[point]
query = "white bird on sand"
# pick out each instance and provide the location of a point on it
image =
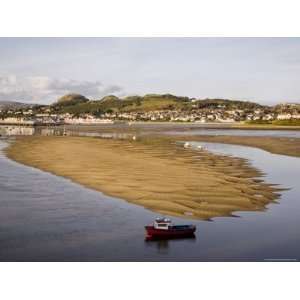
(186, 145)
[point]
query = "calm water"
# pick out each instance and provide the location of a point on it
(238, 132)
(47, 218)
(115, 130)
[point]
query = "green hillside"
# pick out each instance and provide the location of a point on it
(79, 104)
(228, 104)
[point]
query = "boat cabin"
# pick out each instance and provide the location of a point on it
(162, 223)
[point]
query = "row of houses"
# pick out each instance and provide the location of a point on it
(200, 116)
(288, 116)
(85, 120)
(220, 116)
(46, 119)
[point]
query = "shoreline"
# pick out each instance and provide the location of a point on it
(153, 173)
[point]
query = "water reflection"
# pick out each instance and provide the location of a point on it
(57, 131)
(47, 131)
(16, 130)
(99, 131)
(164, 245)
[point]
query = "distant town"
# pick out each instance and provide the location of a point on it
(77, 110)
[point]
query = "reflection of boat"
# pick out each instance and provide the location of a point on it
(163, 228)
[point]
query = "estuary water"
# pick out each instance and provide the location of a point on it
(123, 130)
(238, 132)
(48, 218)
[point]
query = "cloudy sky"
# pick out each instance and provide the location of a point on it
(265, 70)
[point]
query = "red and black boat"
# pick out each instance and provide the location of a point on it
(163, 228)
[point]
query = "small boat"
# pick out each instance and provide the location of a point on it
(163, 228)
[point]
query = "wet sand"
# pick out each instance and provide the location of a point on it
(276, 145)
(152, 172)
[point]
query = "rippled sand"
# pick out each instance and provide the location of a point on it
(153, 172)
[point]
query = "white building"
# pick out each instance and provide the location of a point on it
(17, 121)
(284, 117)
(89, 120)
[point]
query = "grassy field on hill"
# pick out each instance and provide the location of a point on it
(150, 102)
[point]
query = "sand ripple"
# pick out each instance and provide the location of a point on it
(152, 172)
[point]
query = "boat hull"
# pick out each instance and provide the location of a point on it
(174, 232)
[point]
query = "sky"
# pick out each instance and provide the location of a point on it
(39, 70)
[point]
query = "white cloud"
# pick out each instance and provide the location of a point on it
(42, 89)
